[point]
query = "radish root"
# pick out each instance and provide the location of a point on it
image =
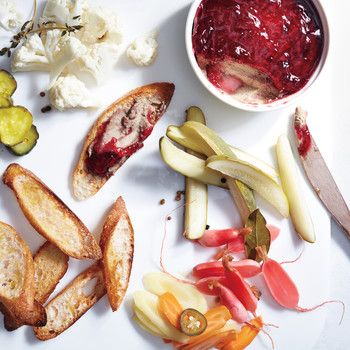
(302, 309)
(263, 331)
(161, 258)
(296, 259)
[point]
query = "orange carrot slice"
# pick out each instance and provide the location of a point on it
(170, 309)
(245, 336)
(214, 341)
(216, 319)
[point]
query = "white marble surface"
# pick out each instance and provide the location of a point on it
(337, 337)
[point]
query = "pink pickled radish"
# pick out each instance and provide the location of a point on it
(236, 308)
(239, 287)
(237, 245)
(217, 238)
(247, 268)
(208, 269)
(280, 285)
(274, 231)
(207, 285)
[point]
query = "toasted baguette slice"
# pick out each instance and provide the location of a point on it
(50, 265)
(17, 288)
(49, 215)
(117, 243)
(72, 303)
(132, 107)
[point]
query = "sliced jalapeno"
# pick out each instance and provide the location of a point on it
(192, 322)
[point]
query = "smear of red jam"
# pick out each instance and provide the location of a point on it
(281, 38)
(105, 156)
(304, 138)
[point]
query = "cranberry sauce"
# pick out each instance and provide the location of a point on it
(304, 138)
(280, 38)
(104, 156)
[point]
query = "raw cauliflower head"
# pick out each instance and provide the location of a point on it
(143, 50)
(70, 92)
(85, 56)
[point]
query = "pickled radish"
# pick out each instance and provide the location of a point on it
(207, 285)
(236, 308)
(217, 238)
(280, 285)
(208, 269)
(239, 287)
(237, 244)
(246, 267)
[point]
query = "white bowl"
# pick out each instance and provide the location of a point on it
(229, 99)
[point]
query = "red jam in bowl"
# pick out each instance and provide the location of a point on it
(258, 50)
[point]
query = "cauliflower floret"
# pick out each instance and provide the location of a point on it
(31, 56)
(97, 63)
(71, 50)
(143, 50)
(63, 11)
(70, 92)
(53, 42)
(10, 18)
(100, 25)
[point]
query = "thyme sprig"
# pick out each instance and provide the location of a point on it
(29, 28)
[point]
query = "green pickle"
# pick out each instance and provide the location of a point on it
(27, 144)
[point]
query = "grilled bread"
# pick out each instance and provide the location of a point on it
(117, 243)
(50, 265)
(72, 303)
(127, 117)
(49, 215)
(17, 288)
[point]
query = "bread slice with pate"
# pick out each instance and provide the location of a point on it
(17, 287)
(117, 134)
(117, 243)
(50, 265)
(72, 303)
(49, 215)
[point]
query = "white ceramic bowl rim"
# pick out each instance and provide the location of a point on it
(258, 107)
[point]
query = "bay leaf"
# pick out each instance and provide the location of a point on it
(259, 237)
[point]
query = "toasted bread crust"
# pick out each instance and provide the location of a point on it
(57, 223)
(86, 184)
(19, 307)
(78, 296)
(117, 243)
(50, 265)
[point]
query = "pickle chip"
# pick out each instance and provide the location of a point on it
(15, 122)
(5, 101)
(29, 142)
(8, 84)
